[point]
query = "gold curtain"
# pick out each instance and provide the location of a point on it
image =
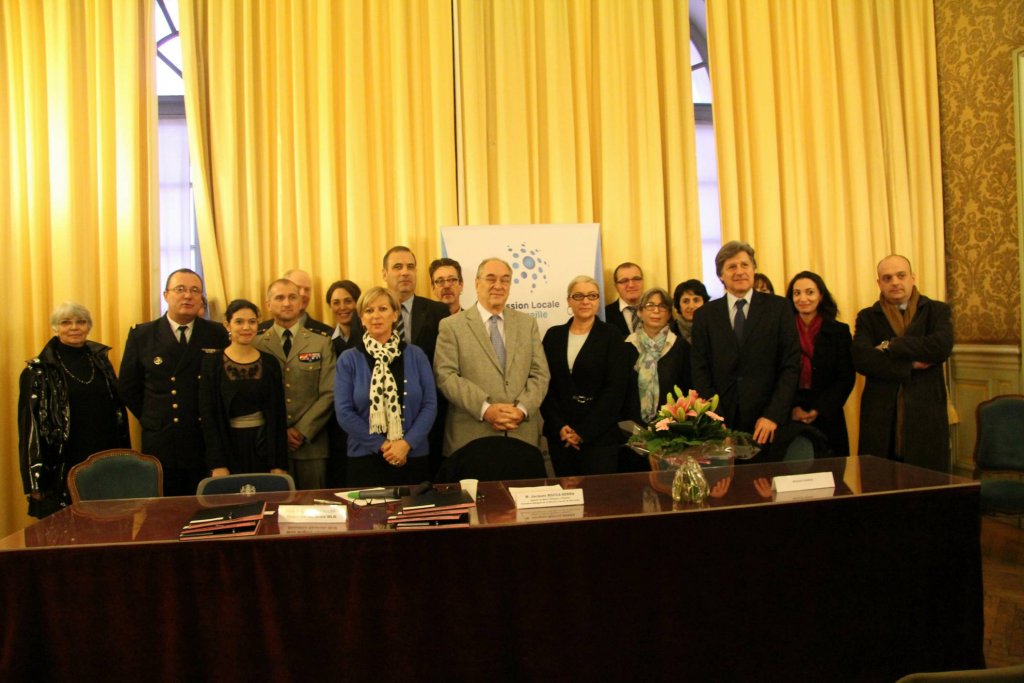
(827, 128)
(321, 133)
(78, 181)
(581, 111)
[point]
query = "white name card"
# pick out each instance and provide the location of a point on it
(545, 496)
(803, 482)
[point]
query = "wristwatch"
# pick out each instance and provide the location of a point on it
(884, 346)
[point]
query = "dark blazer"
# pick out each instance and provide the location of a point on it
(340, 345)
(926, 426)
(673, 371)
(756, 377)
(427, 315)
(216, 395)
(600, 373)
(159, 382)
(832, 378)
(613, 316)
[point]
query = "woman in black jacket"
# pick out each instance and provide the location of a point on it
(68, 409)
(589, 370)
(826, 364)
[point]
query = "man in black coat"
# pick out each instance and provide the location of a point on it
(900, 345)
(159, 381)
(745, 349)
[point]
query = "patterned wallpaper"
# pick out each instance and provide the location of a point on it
(975, 39)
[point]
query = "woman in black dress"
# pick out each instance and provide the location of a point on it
(589, 371)
(826, 364)
(241, 401)
(68, 409)
(342, 296)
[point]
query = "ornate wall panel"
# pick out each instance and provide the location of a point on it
(975, 40)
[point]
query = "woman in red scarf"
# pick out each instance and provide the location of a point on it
(826, 366)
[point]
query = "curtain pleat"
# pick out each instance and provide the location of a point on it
(326, 135)
(78, 182)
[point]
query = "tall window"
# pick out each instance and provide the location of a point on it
(179, 243)
(707, 160)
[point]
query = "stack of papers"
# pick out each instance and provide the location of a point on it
(433, 508)
(228, 520)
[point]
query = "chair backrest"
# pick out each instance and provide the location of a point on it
(253, 482)
(494, 458)
(999, 444)
(117, 473)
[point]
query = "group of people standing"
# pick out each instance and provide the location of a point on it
(400, 380)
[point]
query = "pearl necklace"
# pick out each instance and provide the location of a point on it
(92, 371)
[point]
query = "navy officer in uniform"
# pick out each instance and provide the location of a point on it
(159, 381)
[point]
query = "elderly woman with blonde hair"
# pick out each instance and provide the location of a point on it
(68, 409)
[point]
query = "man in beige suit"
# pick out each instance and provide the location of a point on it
(307, 365)
(490, 364)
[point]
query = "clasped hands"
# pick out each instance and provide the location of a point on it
(569, 437)
(504, 417)
(396, 452)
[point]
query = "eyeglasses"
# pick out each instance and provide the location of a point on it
(627, 280)
(446, 281)
(181, 289)
(579, 296)
(77, 322)
(492, 280)
(651, 306)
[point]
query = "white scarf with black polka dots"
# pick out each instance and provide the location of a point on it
(385, 406)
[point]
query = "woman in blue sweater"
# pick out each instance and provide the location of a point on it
(385, 399)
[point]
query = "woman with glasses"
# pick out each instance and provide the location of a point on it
(589, 370)
(826, 363)
(241, 401)
(660, 360)
(68, 409)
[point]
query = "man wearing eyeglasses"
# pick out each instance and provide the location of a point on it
(159, 381)
(745, 349)
(446, 282)
(491, 366)
(629, 283)
(418, 316)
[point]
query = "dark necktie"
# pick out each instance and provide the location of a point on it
(401, 323)
(635, 323)
(740, 319)
(182, 339)
(287, 345)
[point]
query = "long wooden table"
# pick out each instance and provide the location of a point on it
(879, 579)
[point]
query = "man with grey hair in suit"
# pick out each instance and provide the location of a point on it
(490, 365)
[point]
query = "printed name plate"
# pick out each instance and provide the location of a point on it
(803, 482)
(546, 497)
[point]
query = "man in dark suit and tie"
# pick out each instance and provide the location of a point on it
(307, 366)
(159, 381)
(419, 317)
(491, 366)
(745, 349)
(629, 283)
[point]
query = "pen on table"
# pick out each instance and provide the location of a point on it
(321, 501)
